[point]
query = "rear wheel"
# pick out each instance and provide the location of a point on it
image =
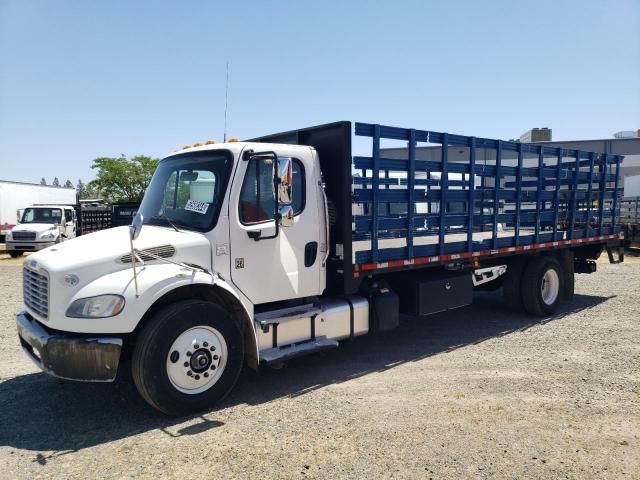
(15, 254)
(188, 357)
(541, 286)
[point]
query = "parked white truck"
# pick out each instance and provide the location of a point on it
(16, 196)
(41, 226)
(250, 252)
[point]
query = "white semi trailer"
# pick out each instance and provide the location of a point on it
(16, 196)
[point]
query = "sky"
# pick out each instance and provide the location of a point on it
(84, 79)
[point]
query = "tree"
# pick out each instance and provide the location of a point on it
(56, 182)
(80, 188)
(43, 181)
(122, 179)
(68, 184)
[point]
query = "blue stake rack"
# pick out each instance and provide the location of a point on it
(451, 194)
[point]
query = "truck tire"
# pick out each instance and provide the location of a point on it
(188, 357)
(512, 282)
(542, 286)
(15, 254)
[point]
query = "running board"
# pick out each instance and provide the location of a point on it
(275, 317)
(294, 350)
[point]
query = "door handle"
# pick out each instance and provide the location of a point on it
(310, 253)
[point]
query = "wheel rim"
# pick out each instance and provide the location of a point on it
(550, 286)
(196, 359)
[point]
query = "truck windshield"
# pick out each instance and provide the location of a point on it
(41, 215)
(187, 190)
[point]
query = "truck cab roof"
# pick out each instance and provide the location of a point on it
(237, 147)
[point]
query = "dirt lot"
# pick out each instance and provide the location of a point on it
(475, 393)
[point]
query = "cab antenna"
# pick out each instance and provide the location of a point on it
(226, 102)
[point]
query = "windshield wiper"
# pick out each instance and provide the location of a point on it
(164, 217)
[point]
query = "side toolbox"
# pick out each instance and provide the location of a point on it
(424, 293)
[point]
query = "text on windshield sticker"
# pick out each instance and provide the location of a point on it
(195, 206)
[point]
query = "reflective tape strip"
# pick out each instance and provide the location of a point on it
(481, 253)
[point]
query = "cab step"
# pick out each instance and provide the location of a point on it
(286, 352)
(284, 315)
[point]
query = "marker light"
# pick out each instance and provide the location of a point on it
(186, 147)
(233, 140)
(210, 142)
(197, 144)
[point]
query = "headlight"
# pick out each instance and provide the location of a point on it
(7, 236)
(48, 235)
(101, 306)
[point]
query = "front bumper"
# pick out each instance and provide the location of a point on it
(27, 246)
(69, 356)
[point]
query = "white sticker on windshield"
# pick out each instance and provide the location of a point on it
(195, 206)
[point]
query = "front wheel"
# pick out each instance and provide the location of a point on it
(15, 254)
(188, 357)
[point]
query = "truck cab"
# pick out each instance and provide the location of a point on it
(41, 226)
(225, 262)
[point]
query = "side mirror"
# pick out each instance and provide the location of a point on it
(285, 180)
(136, 226)
(286, 216)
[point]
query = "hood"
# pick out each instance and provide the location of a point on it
(33, 227)
(102, 252)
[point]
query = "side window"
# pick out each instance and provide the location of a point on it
(68, 214)
(257, 202)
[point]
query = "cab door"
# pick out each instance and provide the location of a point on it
(265, 267)
(69, 227)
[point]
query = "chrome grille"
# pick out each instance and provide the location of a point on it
(28, 236)
(35, 288)
(164, 251)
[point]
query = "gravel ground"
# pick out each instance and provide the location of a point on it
(474, 393)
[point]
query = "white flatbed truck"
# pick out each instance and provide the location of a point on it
(250, 252)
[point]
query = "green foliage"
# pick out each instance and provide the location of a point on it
(85, 191)
(122, 179)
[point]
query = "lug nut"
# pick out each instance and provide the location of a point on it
(205, 344)
(213, 349)
(197, 377)
(215, 357)
(189, 354)
(196, 346)
(186, 364)
(189, 373)
(206, 375)
(213, 367)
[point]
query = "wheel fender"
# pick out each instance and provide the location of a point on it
(180, 278)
